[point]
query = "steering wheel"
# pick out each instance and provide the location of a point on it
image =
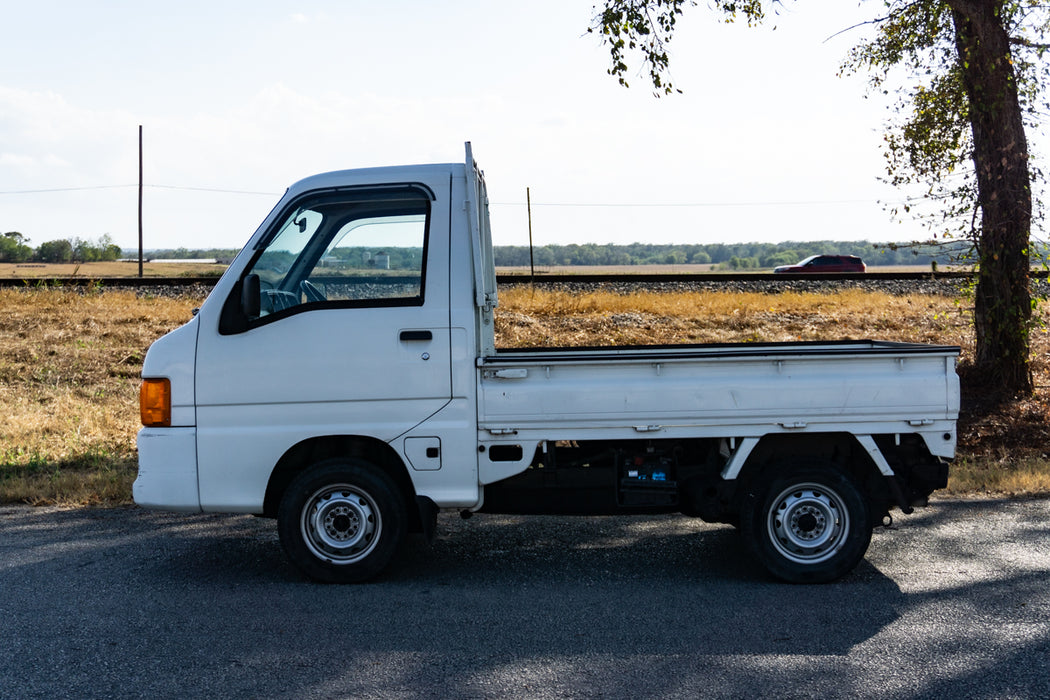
(311, 291)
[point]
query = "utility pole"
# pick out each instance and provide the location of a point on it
(140, 200)
(532, 263)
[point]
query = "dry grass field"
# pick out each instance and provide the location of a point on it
(98, 270)
(530, 317)
(69, 376)
(70, 363)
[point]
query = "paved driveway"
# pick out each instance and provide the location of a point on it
(954, 601)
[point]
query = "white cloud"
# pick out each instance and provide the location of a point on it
(61, 145)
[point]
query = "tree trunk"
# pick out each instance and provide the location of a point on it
(1002, 308)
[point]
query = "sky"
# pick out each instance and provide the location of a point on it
(238, 100)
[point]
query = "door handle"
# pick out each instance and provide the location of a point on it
(416, 335)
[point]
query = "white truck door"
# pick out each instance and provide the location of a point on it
(338, 325)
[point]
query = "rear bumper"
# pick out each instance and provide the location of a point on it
(167, 478)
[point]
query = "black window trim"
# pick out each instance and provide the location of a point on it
(232, 320)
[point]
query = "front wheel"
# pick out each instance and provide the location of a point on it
(808, 525)
(341, 521)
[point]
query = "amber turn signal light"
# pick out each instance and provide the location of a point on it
(155, 403)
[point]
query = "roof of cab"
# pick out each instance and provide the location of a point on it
(388, 175)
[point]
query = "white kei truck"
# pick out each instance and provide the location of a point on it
(342, 377)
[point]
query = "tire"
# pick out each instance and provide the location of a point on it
(811, 524)
(341, 521)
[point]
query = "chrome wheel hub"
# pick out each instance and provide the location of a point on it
(808, 523)
(340, 523)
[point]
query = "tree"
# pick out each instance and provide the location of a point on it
(60, 251)
(13, 247)
(84, 251)
(101, 250)
(974, 72)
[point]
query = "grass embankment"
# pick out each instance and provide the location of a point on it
(70, 364)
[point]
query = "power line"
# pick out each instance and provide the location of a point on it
(68, 189)
(156, 187)
(212, 189)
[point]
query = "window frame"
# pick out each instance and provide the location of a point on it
(233, 318)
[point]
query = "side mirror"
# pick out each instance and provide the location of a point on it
(251, 296)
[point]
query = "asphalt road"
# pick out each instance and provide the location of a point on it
(953, 601)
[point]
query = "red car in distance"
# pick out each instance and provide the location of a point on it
(824, 263)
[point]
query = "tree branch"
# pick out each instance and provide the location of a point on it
(877, 20)
(1020, 41)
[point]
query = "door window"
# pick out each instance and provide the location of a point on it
(345, 249)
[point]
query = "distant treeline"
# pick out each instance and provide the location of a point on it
(14, 248)
(396, 258)
(221, 254)
(728, 256)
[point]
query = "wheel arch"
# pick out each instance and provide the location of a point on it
(300, 456)
(845, 450)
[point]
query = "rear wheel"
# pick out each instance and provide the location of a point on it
(809, 525)
(341, 521)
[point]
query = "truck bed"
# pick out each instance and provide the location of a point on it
(719, 390)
